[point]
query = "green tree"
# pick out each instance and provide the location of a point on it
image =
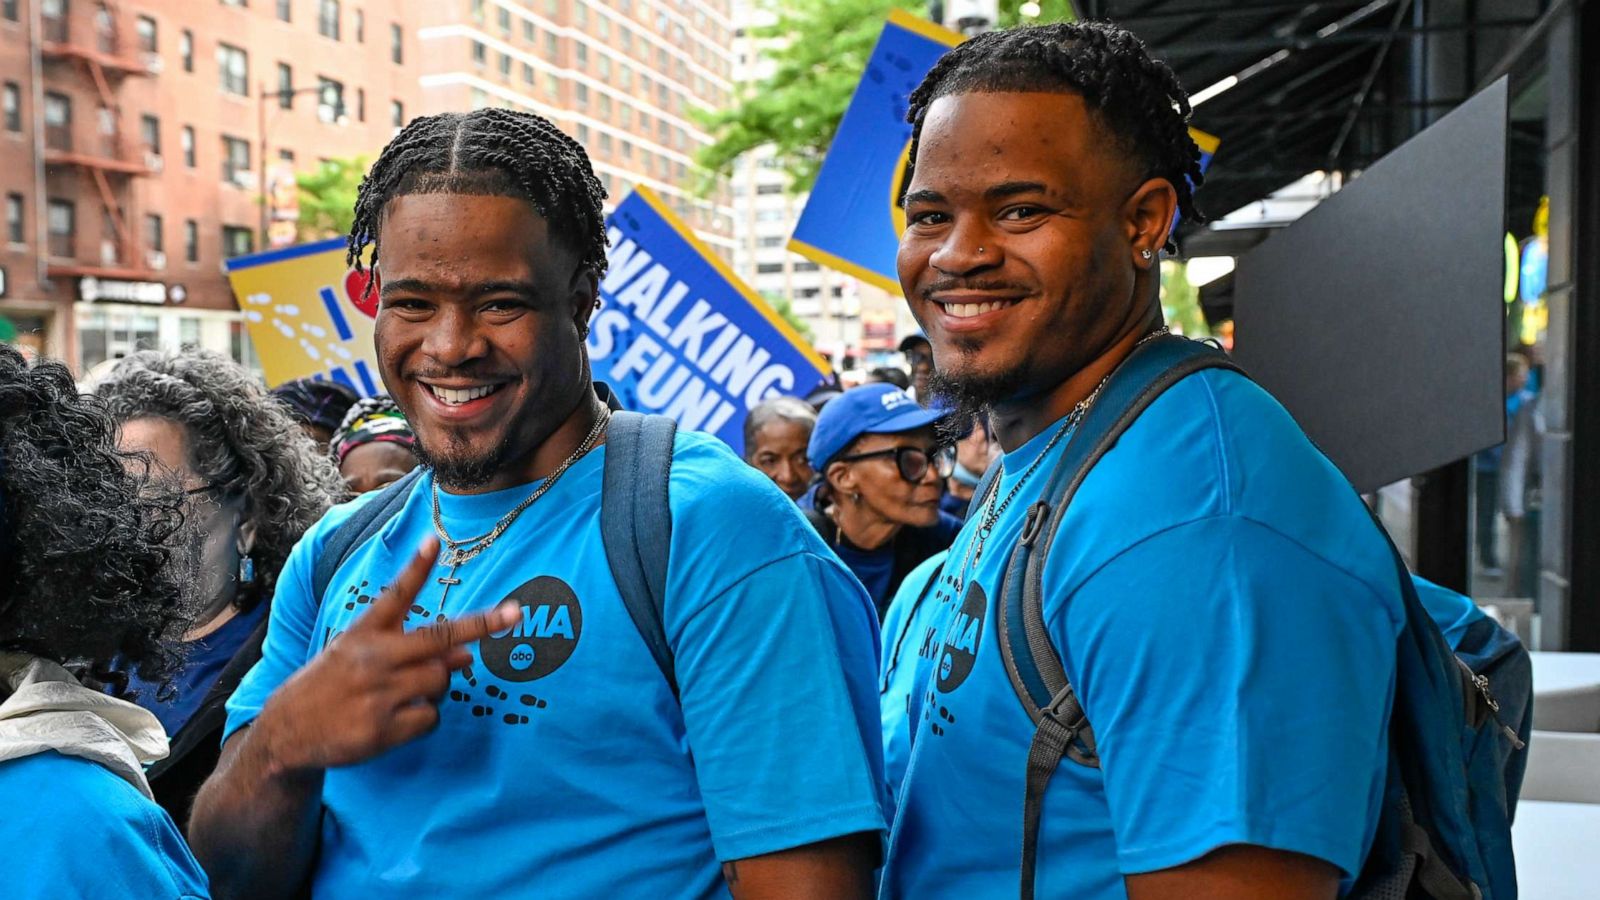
(328, 197)
(781, 305)
(819, 49)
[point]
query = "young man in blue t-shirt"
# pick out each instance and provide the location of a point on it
(489, 722)
(1220, 599)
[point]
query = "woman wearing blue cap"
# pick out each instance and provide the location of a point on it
(883, 476)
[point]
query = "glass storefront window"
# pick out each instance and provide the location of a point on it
(109, 335)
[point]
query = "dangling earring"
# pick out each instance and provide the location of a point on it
(247, 569)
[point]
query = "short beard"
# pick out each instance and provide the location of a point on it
(460, 472)
(970, 397)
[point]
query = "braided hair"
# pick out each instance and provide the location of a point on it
(1136, 99)
(488, 152)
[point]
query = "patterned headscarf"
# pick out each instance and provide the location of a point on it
(319, 403)
(371, 419)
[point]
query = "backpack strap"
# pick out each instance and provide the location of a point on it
(636, 523)
(1031, 660)
(357, 529)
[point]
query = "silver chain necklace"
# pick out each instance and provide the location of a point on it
(991, 511)
(459, 552)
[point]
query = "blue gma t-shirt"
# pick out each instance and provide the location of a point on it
(562, 765)
(1228, 614)
(75, 829)
(908, 629)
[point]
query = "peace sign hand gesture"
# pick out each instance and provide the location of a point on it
(377, 686)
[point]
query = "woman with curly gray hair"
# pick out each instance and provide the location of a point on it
(87, 578)
(254, 482)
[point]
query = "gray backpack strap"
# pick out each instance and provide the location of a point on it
(1062, 731)
(636, 523)
(357, 529)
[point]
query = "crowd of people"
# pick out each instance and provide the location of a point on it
(490, 635)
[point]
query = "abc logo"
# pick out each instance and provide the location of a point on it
(543, 639)
(960, 650)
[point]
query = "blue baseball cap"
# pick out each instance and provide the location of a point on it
(870, 409)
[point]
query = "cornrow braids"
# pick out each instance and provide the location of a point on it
(1136, 99)
(488, 152)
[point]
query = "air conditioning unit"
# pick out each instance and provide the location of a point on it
(152, 63)
(108, 253)
(245, 178)
(155, 259)
(153, 161)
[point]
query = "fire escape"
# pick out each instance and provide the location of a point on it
(108, 159)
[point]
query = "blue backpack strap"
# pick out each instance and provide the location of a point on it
(1031, 661)
(355, 531)
(636, 523)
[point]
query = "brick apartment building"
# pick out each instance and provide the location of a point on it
(620, 76)
(133, 139)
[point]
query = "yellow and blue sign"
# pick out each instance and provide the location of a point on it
(308, 314)
(853, 220)
(679, 334)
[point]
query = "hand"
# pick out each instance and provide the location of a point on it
(377, 686)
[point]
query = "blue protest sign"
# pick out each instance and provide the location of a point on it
(679, 334)
(852, 221)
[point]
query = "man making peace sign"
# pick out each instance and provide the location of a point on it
(492, 724)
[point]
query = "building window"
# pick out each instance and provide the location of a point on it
(527, 73)
(14, 218)
(8, 10)
(361, 27)
(62, 221)
(57, 121)
(477, 10)
(330, 99)
(397, 113)
(528, 33)
(145, 27)
(286, 155)
(150, 133)
(771, 241)
(186, 49)
(239, 3)
(284, 10)
(153, 239)
(502, 17)
(191, 240)
(13, 106)
(605, 143)
(582, 51)
(768, 268)
(505, 66)
(552, 45)
(769, 189)
(480, 53)
(581, 92)
(237, 241)
(805, 267)
(397, 44)
(233, 64)
(235, 160)
(186, 143)
(328, 18)
(285, 86)
(361, 104)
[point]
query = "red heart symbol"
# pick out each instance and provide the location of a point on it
(355, 287)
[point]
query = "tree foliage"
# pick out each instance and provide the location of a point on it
(818, 49)
(328, 197)
(781, 305)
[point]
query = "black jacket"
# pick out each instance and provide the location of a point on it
(911, 547)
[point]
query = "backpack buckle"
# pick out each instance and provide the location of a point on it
(1033, 526)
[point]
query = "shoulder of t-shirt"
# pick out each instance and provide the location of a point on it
(731, 521)
(1215, 446)
(124, 827)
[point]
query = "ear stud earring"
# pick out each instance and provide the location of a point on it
(1146, 253)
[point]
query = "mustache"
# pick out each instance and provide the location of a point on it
(945, 285)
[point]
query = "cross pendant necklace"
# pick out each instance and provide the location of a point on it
(453, 560)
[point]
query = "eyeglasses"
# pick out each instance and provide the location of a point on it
(913, 462)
